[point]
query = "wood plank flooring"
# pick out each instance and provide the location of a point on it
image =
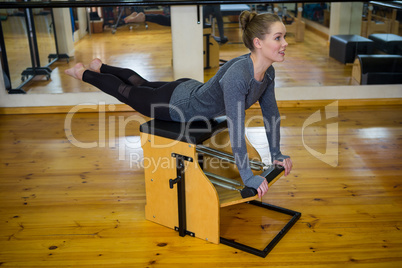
(72, 195)
(149, 52)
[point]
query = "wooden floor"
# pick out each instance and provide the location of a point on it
(72, 195)
(149, 52)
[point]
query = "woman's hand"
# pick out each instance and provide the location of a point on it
(263, 188)
(286, 163)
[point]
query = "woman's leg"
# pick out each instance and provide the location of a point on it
(76, 71)
(151, 100)
(128, 76)
(108, 83)
(130, 17)
(135, 17)
(163, 20)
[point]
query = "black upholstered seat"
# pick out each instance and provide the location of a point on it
(388, 43)
(380, 69)
(194, 132)
(344, 48)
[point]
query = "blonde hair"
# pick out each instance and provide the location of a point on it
(256, 25)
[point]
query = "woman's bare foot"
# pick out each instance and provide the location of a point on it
(129, 17)
(76, 71)
(140, 17)
(95, 65)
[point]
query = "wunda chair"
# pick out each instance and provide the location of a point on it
(189, 178)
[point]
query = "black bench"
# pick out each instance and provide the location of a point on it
(388, 43)
(380, 69)
(345, 48)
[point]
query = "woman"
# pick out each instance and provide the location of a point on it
(237, 85)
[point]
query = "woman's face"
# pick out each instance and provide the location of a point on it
(274, 44)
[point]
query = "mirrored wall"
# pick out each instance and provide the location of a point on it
(40, 44)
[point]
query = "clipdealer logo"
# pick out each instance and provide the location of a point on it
(123, 142)
(330, 156)
(133, 145)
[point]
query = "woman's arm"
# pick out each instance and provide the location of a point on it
(272, 123)
(234, 99)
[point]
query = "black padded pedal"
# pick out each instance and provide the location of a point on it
(272, 172)
(269, 174)
(248, 192)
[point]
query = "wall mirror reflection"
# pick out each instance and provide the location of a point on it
(28, 44)
(140, 38)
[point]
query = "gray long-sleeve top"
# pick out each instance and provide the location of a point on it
(231, 92)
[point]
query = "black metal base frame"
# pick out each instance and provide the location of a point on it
(263, 253)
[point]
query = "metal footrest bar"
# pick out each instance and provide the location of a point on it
(244, 190)
(271, 174)
(224, 185)
(231, 181)
(256, 165)
(254, 162)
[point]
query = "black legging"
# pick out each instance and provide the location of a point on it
(148, 98)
